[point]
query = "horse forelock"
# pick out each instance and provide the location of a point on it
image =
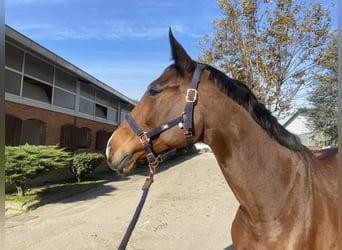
(242, 95)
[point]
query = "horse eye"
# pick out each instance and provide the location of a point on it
(153, 92)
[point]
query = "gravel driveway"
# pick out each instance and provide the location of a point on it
(189, 206)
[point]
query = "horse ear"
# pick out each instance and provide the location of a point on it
(182, 60)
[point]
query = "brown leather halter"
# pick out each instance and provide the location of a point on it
(146, 137)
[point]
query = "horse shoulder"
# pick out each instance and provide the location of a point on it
(264, 235)
(241, 231)
(326, 195)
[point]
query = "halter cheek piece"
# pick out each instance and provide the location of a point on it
(146, 137)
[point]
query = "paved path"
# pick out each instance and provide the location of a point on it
(189, 206)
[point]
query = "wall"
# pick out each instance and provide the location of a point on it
(299, 125)
(54, 121)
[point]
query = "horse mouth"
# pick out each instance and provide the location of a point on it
(122, 163)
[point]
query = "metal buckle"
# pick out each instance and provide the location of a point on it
(153, 164)
(188, 133)
(191, 95)
(143, 138)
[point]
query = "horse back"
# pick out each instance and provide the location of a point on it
(327, 161)
(327, 154)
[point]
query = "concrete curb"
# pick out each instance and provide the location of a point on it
(13, 208)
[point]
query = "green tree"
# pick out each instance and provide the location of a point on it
(85, 163)
(272, 46)
(324, 97)
(25, 162)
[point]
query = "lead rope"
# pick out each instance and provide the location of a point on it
(144, 137)
(131, 226)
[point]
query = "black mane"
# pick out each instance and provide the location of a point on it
(240, 93)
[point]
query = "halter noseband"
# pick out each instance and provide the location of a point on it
(146, 137)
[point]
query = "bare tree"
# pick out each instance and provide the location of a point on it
(272, 46)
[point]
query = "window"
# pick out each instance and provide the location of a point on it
(84, 138)
(113, 103)
(13, 57)
(36, 90)
(87, 107)
(32, 132)
(112, 115)
(101, 97)
(64, 99)
(70, 137)
(65, 81)
(74, 137)
(12, 82)
(13, 130)
(123, 114)
(101, 111)
(124, 110)
(87, 91)
(101, 139)
(38, 69)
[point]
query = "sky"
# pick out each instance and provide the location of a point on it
(123, 43)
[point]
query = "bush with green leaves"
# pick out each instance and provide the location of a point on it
(83, 164)
(24, 163)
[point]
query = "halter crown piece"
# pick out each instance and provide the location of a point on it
(185, 118)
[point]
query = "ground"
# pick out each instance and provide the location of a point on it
(189, 206)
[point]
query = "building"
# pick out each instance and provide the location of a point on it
(299, 125)
(49, 101)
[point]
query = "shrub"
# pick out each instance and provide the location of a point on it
(84, 163)
(24, 163)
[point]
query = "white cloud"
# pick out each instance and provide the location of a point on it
(113, 30)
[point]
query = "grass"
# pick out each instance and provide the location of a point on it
(30, 196)
(53, 192)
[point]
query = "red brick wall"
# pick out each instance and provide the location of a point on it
(54, 121)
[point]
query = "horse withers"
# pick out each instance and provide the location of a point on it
(287, 196)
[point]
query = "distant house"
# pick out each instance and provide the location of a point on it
(49, 101)
(298, 124)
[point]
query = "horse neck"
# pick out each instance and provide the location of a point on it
(257, 168)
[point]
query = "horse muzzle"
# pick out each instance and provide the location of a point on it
(120, 162)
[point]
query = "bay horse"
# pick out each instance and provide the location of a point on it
(287, 196)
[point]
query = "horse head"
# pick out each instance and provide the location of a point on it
(164, 99)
